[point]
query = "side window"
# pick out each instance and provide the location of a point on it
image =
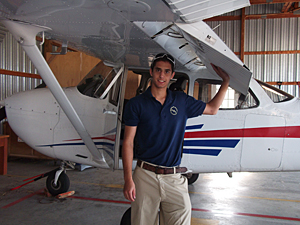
(96, 81)
(115, 91)
(205, 90)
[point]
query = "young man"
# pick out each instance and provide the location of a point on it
(158, 119)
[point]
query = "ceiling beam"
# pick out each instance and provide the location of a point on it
(273, 52)
(20, 74)
(284, 83)
(296, 7)
(272, 16)
(269, 52)
(287, 7)
(257, 2)
(254, 16)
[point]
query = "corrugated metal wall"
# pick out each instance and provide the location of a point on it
(12, 57)
(266, 35)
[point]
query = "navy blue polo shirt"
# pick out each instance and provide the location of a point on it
(160, 128)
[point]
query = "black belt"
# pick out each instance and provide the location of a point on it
(161, 170)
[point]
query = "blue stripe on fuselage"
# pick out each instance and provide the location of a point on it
(211, 152)
(194, 127)
(219, 143)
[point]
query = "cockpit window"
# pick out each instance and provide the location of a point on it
(205, 90)
(275, 94)
(96, 81)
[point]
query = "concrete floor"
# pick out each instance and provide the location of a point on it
(247, 198)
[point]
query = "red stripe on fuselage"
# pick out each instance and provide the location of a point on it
(261, 132)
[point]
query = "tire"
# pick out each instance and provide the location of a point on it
(126, 218)
(62, 186)
(192, 177)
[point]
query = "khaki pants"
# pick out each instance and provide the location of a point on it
(169, 193)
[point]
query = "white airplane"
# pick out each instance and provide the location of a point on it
(258, 129)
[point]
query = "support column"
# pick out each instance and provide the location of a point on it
(243, 19)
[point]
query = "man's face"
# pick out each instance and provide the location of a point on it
(161, 74)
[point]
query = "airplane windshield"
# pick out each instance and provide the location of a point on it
(96, 81)
(275, 94)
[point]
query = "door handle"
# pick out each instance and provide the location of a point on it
(109, 112)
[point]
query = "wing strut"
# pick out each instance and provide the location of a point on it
(25, 34)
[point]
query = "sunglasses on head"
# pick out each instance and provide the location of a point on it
(164, 55)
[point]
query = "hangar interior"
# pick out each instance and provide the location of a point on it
(265, 36)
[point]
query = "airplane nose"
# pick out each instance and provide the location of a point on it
(33, 115)
(34, 101)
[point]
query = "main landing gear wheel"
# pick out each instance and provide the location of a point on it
(192, 177)
(62, 186)
(126, 218)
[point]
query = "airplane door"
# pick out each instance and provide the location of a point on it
(262, 142)
(97, 102)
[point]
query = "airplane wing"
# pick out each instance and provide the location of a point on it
(195, 45)
(126, 32)
(193, 10)
(211, 49)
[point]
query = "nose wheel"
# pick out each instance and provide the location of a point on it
(58, 181)
(61, 185)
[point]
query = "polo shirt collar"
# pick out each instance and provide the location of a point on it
(169, 94)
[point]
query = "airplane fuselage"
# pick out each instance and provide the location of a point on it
(260, 138)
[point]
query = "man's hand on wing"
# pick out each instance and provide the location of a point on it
(225, 77)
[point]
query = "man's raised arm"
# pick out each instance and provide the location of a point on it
(213, 105)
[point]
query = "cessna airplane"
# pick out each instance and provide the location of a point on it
(257, 128)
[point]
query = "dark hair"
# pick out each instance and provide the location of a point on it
(165, 58)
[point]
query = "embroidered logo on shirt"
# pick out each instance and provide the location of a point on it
(173, 110)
